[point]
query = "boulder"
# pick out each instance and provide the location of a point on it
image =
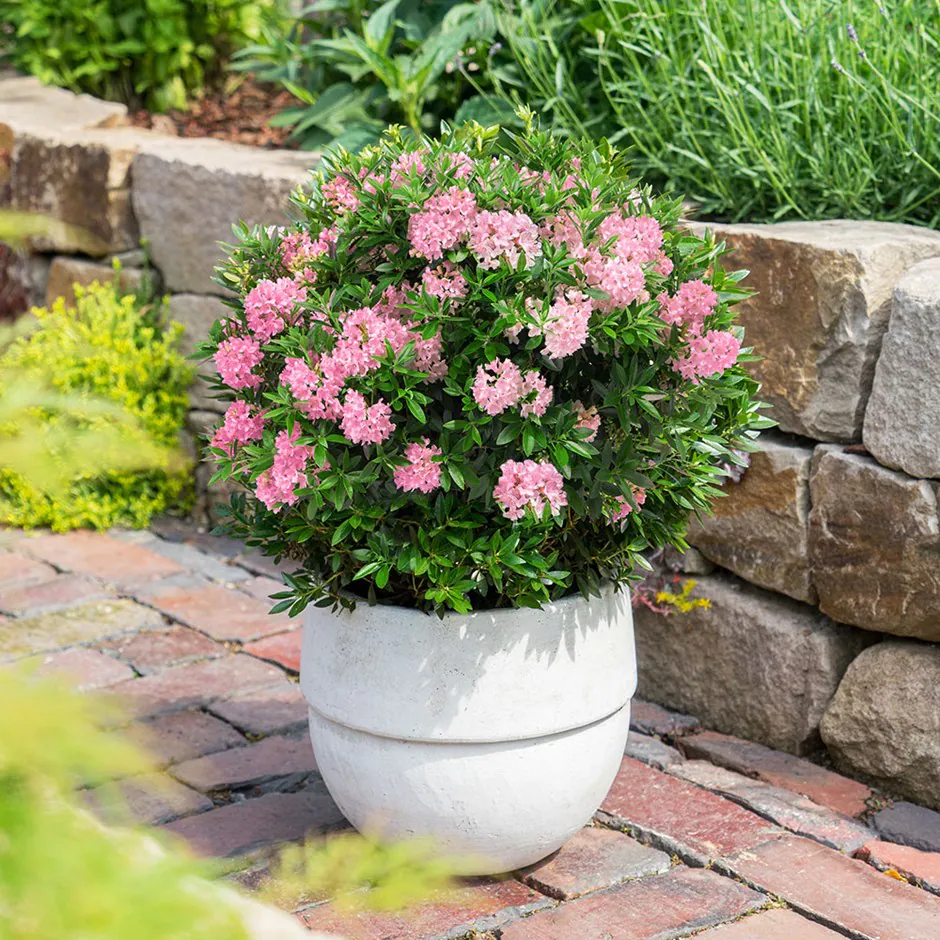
(752, 664)
(759, 530)
(884, 722)
(66, 272)
(189, 193)
(822, 305)
(874, 540)
(902, 422)
(197, 313)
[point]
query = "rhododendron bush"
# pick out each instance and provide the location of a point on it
(476, 374)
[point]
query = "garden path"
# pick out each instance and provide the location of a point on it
(700, 834)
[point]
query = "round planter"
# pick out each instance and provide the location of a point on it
(496, 734)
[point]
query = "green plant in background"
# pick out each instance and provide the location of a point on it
(357, 67)
(757, 109)
(93, 402)
(62, 874)
(151, 53)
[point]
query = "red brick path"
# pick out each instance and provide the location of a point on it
(700, 834)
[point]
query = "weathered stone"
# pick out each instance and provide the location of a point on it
(922, 868)
(691, 561)
(759, 529)
(884, 722)
(189, 193)
(911, 825)
(902, 422)
(752, 664)
(651, 751)
(875, 545)
(67, 272)
(822, 304)
(197, 313)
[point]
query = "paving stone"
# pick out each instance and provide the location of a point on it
(263, 587)
(248, 766)
(17, 570)
(82, 668)
(650, 718)
(908, 824)
(62, 591)
(101, 556)
(902, 420)
(671, 905)
(841, 892)
(651, 751)
(266, 820)
(822, 301)
(283, 648)
(150, 799)
(923, 868)
(483, 906)
(754, 663)
(759, 529)
(594, 858)
(192, 559)
(81, 624)
(842, 794)
(783, 807)
(776, 924)
(183, 736)
(884, 724)
(153, 650)
(222, 613)
(873, 545)
(680, 818)
(184, 687)
(277, 708)
(259, 564)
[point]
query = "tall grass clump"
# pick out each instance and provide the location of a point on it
(755, 109)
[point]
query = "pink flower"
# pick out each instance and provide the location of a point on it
(421, 472)
(235, 358)
(622, 507)
(298, 250)
(566, 329)
(498, 386)
(708, 355)
(564, 229)
(238, 427)
(442, 223)
(692, 303)
(504, 235)
(278, 484)
(316, 393)
(638, 237)
(623, 280)
(366, 425)
(460, 164)
(340, 195)
(588, 418)
(445, 282)
(408, 164)
(270, 306)
(536, 395)
(529, 485)
(428, 357)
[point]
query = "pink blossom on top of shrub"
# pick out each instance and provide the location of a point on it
(476, 372)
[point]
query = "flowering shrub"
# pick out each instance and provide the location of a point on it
(476, 374)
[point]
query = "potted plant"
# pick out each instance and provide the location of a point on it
(470, 386)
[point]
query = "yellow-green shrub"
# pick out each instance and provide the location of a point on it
(107, 349)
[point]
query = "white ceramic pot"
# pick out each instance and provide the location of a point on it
(497, 734)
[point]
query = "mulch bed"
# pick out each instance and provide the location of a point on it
(239, 113)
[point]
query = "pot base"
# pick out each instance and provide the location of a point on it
(491, 807)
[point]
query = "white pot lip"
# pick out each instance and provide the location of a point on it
(607, 589)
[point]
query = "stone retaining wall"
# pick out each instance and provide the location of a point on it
(823, 562)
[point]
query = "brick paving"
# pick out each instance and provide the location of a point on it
(701, 834)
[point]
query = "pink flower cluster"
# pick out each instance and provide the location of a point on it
(622, 507)
(421, 473)
(529, 484)
(689, 306)
(504, 235)
(442, 223)
(566, 329)
(588, 418)
(235, 360)
(366, 424)
(298, 250)
(271, 305)
(406, 165)
(340, 195)
(536, 395)
(278, 484)
(445, 282)
(497, 386)
(709, 354)
(238, 427)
